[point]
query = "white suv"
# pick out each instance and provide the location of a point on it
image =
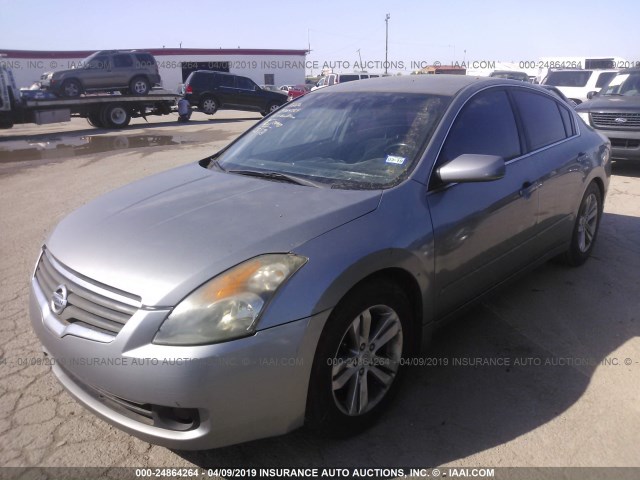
(575, 84)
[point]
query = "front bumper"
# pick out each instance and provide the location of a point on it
(187, 398)
(625, 145)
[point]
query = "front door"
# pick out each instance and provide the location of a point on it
(483, 231)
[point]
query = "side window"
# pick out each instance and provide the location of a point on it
(144, 60)
(485, 126)
(100, 63)
(604, 78)
(225, 80)
(244, 83)
(541, 119)
(122, 61)
(569, 127)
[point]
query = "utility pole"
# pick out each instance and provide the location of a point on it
(386, 46)
(359, 55)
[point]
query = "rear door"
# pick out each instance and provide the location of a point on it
(484, 231)
(249, 95)
(97, 73)
(122, 71)
(556, 161)
(225, 89)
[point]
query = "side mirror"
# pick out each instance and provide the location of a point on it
(590, 95)
(470, 167)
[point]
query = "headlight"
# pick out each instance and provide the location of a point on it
(584, 116)
(228, 306)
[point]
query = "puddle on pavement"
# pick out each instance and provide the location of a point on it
(20, 153)
(53, 148)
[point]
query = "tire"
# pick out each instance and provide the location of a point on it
(139, 86)
(353, 380)
(115, 116)
(95, 120)
(585, 231)
(208, 105)
(71, 88)
(272, 107)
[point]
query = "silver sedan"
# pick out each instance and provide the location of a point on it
(292, 276)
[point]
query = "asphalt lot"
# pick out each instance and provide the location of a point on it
(579, 407)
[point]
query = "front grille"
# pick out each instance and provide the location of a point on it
(624, 143)
(618, 120)
(85, 306)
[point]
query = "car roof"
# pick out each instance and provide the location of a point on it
(215, 71)
(447, 85)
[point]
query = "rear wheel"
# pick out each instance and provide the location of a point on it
(95, 120)
(586, 227)
(115, 116)
(208, 105)
(357, 365)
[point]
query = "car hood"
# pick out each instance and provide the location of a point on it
(161, 237)
(611, 102)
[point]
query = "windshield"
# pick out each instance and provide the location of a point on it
(627, 84)
(578, 78)
(357, 140)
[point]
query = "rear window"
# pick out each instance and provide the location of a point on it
(568, 79)
(199, 80)
(349, 78)
(145, 59)
(541, 117)
(122, 60)
(225, 80)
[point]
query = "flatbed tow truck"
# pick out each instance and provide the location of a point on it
(101, 110)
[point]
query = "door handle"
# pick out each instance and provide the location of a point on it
(528, 188)
(582, 157)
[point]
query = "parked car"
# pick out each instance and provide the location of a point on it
(615, 112)
(131, 71)
(510, 74)
(285, 88)
(290, 277)
(271, 88)
(576, 84)
(213, 91)
(299, 90)
(556, 91)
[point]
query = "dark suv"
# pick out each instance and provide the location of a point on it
(615, 112)
(212, 91)
(130, 72)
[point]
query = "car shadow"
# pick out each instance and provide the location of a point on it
(626, 168)
(561, 323)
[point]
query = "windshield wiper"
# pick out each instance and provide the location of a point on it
(284, 177)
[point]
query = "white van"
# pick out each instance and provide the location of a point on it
(575, 83)
(336, 78)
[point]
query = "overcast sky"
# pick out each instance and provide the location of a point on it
(419, 31)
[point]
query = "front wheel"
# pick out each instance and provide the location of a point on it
(586, 227)
(358, 362)
(71, 88)
(272, 107)
(139, 86)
